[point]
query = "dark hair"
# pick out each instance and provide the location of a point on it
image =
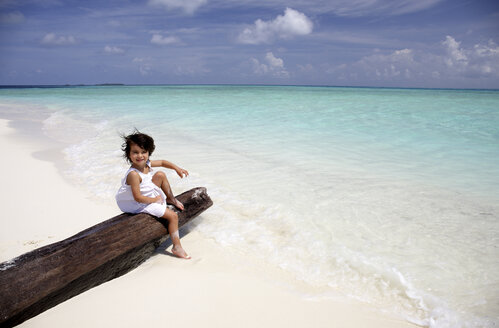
(140, 139)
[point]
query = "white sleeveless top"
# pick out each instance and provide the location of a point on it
(126, 202)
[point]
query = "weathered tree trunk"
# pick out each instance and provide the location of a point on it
(47, 276)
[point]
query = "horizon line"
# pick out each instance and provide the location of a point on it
(67, 85)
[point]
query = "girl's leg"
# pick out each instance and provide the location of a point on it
(172, 219)
(160, 180)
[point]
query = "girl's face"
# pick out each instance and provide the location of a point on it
(138, 155)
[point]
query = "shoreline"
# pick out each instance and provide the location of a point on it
(214, 289)
(35, 185)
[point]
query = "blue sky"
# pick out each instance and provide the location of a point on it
(392, 43)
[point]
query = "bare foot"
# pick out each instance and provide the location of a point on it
(179, 205)
(179, 252)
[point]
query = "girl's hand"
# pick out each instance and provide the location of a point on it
(181, 172)
(158, 199)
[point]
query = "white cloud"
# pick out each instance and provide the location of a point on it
(274, 61)
(396, 64)
(452, 62)
(271, 66)
(113, 50)
(399, 65)
(191, 67)
(12, 18)
(357, 8)
(161, 40)
(54, 40)
(143, 64)
(456, 56)
(188, 6)
(144, 70)
(349, 8)
(489, 50)
(480, 60)
(307, 68)
(284, 27)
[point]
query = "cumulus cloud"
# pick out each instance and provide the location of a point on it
(162, 40)
(479, 60)
(188, 6)
(113, 50)
(12, 18)
(452, 61)
(286, 26)
(274, 61)
(51, 39)
(271, 66)
(396, 64)
(456, 56)
(489, 50)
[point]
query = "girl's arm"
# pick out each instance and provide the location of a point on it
(133, 179)
(169, 165)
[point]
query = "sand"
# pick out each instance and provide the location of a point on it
(217, 288)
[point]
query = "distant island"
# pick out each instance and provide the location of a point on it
(93, 85)
(60, 85)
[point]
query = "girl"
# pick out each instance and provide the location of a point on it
(145, 190)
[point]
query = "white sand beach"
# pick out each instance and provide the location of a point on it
(217, 288)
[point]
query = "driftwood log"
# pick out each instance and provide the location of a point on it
(47, 276)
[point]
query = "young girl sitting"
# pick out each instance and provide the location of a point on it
(145, 190)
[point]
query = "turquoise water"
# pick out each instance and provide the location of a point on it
(387, 196)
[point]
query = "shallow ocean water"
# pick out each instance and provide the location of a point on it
(388, 196)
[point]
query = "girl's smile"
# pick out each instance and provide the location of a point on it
(138, 156)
